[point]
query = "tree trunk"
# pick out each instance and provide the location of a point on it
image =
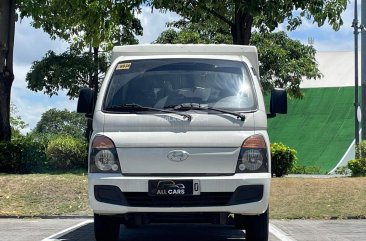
(96, 69)
(241, 30)
(7, 29)
(90, 80)
(6, 80)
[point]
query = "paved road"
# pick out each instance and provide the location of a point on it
(32, 229)
(297, 230)
(164, 232)
(323, 230)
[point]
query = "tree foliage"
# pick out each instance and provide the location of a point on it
(283, 61)
(239, 17)
(207, 33)
(16, 123)
(61, 122)
(69, 71)
(94, 24)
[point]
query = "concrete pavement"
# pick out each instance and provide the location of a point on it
(82, 230)
(323, 230)
(32, 229)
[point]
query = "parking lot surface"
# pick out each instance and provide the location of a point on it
(82, 230)
(32, 229)
(323, 230)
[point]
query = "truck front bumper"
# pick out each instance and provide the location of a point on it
(114, 194)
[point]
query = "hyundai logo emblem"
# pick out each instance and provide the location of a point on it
(178, 155)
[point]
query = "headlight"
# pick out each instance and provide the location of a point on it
(103, 158)
(253, 155)
(252, 159)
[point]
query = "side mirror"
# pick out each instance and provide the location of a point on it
(278, 104)
(85, 101)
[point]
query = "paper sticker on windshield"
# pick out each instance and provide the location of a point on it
(123, 66)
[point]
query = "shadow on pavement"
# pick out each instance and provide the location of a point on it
(83, 233)
(163, 232)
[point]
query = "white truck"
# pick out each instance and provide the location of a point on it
(180, 135)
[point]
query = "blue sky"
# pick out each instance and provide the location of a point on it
(32, 44)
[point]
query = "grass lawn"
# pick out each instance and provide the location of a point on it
(318, 198)
(44, 194)
(66, 194)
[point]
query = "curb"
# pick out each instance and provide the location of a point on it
(316, 176)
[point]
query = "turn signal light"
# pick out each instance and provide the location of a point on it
(254, 141)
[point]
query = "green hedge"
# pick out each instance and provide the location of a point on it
(67, 152)
(358, 166)
(22, 156)
(299, 169)
(283, 159)
(37, 155)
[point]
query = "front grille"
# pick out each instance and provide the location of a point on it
(113, 195)
(205, 199)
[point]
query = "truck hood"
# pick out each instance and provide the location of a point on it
(145, 142)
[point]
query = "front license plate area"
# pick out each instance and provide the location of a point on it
(174, 187)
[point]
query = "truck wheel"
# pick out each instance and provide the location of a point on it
(256, 227)
(106, 228)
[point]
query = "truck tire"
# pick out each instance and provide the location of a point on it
(256, 227)
(106, 228)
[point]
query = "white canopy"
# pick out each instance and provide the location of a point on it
(338, 69)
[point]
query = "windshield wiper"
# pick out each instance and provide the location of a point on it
(196, 106)
(136, 107)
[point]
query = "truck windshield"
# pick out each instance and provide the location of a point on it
(162, 83)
